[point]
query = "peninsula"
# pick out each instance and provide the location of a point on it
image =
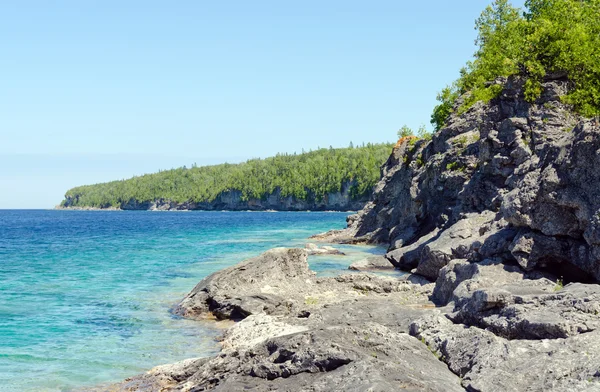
(326, 179)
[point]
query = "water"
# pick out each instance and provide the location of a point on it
(85, 296)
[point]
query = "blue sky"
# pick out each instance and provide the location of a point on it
(93, 91)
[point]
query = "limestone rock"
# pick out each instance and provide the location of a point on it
(257, 285)
(372, 263)
(313, 249)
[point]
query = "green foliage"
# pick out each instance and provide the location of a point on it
(560, 37)
(559, 284)
(423, 133)
(441, 112)
(305, 176)
(461, 141)
(420, 161)
(405, 131)
(453, 166)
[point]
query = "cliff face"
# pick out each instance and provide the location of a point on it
(508, 180)
(232, 201)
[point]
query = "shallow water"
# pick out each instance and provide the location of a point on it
(85, 295)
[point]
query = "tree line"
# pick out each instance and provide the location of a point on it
(312, 174)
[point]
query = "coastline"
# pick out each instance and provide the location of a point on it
(276, 297)
(356, 332)
(61, 208)
(496, 216)
(124, 322)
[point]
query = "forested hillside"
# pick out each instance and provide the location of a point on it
(307, 176)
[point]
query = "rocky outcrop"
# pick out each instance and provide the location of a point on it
(233, 201)
(253, 286)
(508, 179)
(315, 250)
(371, 263)
(279, 283)
(486, 362)
(501, 210)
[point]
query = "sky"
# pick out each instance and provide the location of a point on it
(93, 91)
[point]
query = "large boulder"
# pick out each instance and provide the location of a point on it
(261, 284)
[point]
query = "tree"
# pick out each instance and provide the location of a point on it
(405, 131)
(559, 37)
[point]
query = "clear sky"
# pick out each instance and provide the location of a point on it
(92, 91)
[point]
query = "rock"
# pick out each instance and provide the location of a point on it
(460, 278)
(532, 309)
(529, 166)
(313, 249)
(372, 263)
(257, 285)
(328, 359)
(407, 257)
(159, 378)
(566, 257)
(255, 329)
(279, 282)
(456, 242)
(486, 362)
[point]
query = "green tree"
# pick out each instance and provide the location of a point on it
(405, 131)
(557, 37)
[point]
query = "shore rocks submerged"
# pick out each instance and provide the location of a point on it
(498, 219)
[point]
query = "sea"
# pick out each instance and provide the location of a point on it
(86, 296)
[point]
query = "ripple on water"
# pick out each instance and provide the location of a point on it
(86, 296)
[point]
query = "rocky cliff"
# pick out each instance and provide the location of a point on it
(507, 180)
(233, 201)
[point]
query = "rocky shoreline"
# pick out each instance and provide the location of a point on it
(364, 332)
(497, 222)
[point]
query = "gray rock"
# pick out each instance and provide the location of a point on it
(530, 309)
(457, 241)
(338, 358)
(488, 363)
(261, 284)
(372, 263)
(532, 164)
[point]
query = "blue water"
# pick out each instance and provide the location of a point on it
(85, 295)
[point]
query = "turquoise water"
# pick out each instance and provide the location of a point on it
(85, 296)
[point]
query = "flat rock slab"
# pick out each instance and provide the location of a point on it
(372, 263)
(370, 358)
(489, 363)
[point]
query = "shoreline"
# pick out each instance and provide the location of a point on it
(293, 331)
(58, 208)
(276, 277)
